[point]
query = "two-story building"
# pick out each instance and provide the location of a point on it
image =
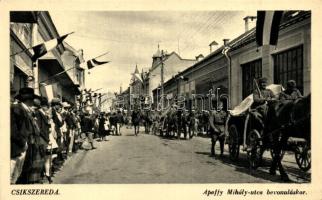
(58, 68)
(172, 63)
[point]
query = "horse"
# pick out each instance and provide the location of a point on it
(147, 121)
(287, 119)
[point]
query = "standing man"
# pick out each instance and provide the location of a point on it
(217, 122)
(120, 121)
(71, 124)
(22, 127)
(87, 126)
(44, 125)
(58, 123)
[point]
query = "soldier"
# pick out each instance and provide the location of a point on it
(217, 122)
(262, 96)
(291, 92)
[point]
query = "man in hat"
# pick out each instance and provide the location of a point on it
(43, 122)
(58, 120)
(262, 95)
(87, 126)
(217, 120)
(291, 92)
(68, 128)
(23, 130)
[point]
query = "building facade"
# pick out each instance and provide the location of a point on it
(199, 84)
(58, 68)
(172, 64)
(290, 59)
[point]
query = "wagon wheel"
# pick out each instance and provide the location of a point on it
(255, 149)
(303, 157)
(233, 142)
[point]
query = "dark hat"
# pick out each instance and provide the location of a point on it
(55, 101)
(291, 84)
(37, 102)
(44, 101)
(26, 93)
(262, 80)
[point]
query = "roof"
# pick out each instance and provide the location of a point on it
(213, 43)
(157, 54)
(289, 18)
(167, 56)
(136, 70)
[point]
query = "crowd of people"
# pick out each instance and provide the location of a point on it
(44, 134)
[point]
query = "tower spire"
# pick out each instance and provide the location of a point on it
(136, 69)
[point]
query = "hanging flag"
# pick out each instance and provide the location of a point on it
(99, 60)
(94, 62)
(47, 91)
(267, 27)
(43, 48)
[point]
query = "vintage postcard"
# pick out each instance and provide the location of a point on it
(160, 100)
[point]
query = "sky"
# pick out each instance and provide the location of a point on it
(132, 37)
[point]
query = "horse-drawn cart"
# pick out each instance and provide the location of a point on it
(245, 132)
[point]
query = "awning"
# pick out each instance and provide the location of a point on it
(53, 67)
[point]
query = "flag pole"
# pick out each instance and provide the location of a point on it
(100, 55)
(57, 74)
(257, 88)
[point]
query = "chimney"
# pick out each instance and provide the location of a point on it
(199, 57)
(226, 42)
(249, 21)
(211, 45)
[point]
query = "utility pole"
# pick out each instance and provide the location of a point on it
(162, 81)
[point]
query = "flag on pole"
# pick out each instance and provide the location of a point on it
(267, 27)
(94, 62)
(99, 60)
(43, 48)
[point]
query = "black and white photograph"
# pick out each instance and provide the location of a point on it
(159, 98)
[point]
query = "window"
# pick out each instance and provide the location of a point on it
(251, 71)
(288, 65)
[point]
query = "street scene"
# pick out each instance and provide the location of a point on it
(160, 97)
(150, 159)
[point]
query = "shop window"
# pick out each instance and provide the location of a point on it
(288, 65)
(251, 71)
